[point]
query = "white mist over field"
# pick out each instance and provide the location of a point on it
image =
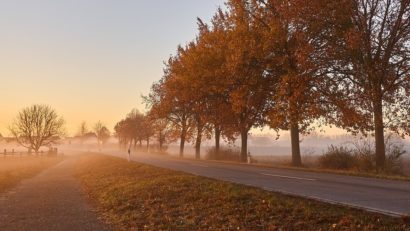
(262, 145)
(268, 145)
(263, 148)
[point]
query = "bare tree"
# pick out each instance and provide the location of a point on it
(102, 133)
(37, 126)
(82, 131)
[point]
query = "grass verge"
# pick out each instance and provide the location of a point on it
(133, 196)
(384, 176)
(286, 165)
(15, 169)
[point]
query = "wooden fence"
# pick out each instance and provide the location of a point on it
(12, 152)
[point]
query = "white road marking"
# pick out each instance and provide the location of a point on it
(288, 177)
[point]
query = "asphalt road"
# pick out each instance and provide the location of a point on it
(383, 196)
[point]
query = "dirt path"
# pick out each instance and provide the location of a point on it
(53, 200)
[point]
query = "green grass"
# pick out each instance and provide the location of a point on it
(133, 196)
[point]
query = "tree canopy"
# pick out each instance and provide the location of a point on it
(290, 65)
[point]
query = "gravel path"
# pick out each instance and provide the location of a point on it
(53, 200)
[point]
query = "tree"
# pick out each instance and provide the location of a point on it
(147, 129)
(209, 80)
(122, 132)
(296, 34)
(170, 100)
(37, 126)
(246, 65)
(193, 73)
(161, 131)
(218, 84)
(135, 128)
(215, 80)
(82, 131)
(374, 51)
(102, 133)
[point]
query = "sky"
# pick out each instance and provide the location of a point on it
(90, 60)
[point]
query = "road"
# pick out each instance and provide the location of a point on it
(388, 197)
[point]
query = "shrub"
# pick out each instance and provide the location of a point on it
(337, 158)
(365, 161)
(365, 154)
(309, 159)
(361, 156)
(223, 154)
(394, 156)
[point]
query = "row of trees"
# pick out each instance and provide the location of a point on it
(99, 131)
(290, 65)
(136, 128)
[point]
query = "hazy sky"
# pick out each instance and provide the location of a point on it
(89, 59)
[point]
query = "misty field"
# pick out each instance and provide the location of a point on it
(132, 196)
(15, 169)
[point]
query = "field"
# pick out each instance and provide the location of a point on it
(14, 169)
(132, 196)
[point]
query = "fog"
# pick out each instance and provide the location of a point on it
(268, 145)
(258, 145)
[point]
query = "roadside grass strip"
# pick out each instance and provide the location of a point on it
(133, 196)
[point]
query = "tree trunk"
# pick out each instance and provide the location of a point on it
(379, 134)
(198, 144)
(294, 137)
(217, 139)
(160, 141)
(199, 128)
(99, 146)
(36, 150)
(182, 142)
(147, 143)
(244, 145)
